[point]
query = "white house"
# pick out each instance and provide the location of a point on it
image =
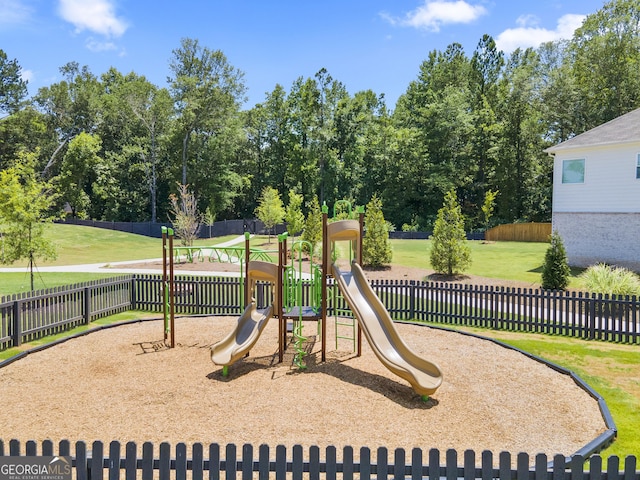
(596, 194)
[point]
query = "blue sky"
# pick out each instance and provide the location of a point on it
(365, 44)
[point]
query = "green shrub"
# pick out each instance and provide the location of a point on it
(610, 280)
(376, 247)
(555, 271)
(450, 252)
(312, 232)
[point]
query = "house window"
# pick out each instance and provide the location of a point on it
(573, 171)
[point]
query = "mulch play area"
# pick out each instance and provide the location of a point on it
(122, 384)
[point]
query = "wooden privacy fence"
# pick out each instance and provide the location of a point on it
(101, 462)
(519, 232)
(599, 317)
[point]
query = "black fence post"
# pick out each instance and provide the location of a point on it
(260, 295)
(592, 318)
(133, 300)
(17, 323)
(412, 299)
(87, 305)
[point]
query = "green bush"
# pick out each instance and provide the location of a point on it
(450, 253)
(312, 232)
(555, 271)
(376, 247)
(610, 280)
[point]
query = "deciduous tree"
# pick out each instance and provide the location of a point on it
(25, 203)
(207, 91)
(71, 106)
(13, 89)
(488, 206)
(294, 216)
(186, 218)
(78, 172)
(270, 210)
(606, 53)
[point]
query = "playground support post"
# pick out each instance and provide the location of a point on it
(165, 291)
(282, 323)
(167, 287)
(359, 260)
(171, 291)
(247, 257)
(325, 274)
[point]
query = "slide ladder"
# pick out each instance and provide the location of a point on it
(344, 322)
(296, 306)
(292, 290)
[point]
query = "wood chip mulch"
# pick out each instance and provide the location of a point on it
(123, 384)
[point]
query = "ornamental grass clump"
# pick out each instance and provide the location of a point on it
(605, 279)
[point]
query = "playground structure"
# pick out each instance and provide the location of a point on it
(287, 304)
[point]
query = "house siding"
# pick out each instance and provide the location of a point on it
(610, 183)
(595, 237)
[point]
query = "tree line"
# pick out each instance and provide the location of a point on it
(116, 147)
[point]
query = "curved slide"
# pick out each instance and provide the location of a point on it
(425, 377)
(250, 324)
(243, 337)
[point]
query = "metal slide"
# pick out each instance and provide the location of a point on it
(425, 377)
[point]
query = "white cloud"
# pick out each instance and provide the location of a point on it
(527, 20)
(96, 46)
(529, 34)
(14, 12)
(433, 14)
(26, 75)
(97, 16)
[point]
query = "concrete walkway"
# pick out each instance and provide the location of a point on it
(121, 267)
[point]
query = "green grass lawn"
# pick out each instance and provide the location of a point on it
(112, 319)
(77, 245)
(20, 282)
(611, 369)
(521, 261)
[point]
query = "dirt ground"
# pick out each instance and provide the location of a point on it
(123, 384)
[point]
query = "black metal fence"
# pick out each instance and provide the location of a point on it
(100, 461)
(228, 227)
(598, 317)
(149, 229)
(573, 314)
(30, 316)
